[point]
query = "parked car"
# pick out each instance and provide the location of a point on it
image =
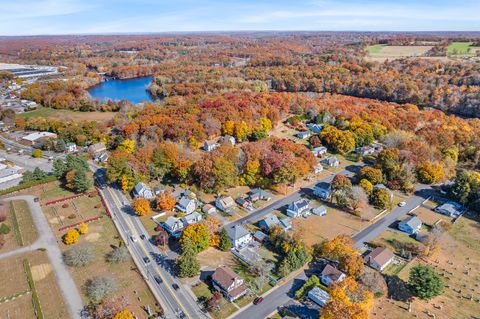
(175, 286)
(142, 237)
(401, 204)
(158, 280)
(258, 300)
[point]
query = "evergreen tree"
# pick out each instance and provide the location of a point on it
(81, 182)
(225, 243)
(188, 265)
(424, 282)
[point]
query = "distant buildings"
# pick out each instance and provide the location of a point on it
(36, 139)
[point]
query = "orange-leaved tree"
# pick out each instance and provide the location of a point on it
(141, 206)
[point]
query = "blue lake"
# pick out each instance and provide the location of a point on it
(133, 90)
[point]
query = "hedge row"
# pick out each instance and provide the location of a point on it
(35, 300)
(12, 189)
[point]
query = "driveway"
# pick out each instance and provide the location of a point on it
(46, 239)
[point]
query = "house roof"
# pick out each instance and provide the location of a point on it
(318, 294)
(258, 192)
(171, 221)
(207, 208)
(184, 201)
(35, 136)
(320, 149)
(227, 201)
(271, 220)
(97, 147)
(237, 231)
(324, 185)
(224, 276)
(298, 205)
(192, 217)
(331, 272)
(450, 208)
(380, 255)
(260, 235)
(413, 222)
(285, 223)
(332, 160)
(140, 187)
(319, 209)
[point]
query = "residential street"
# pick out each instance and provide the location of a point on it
(175, 302)
(281, 296)
(46, 239)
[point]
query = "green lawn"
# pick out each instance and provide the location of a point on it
(40, 112)
(461, 49)
(375, 49)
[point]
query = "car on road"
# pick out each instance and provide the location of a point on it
(401, 204)
(146, 260)
(142, 237)
(175, 286)
(133, 239)
(258, 300)
(158, 280)
(36, 199)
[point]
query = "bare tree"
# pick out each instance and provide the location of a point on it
(78, 256)
(118, 255)
(98, 288)
(356, 197)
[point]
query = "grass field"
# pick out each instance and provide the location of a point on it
(381, 52)
(22, 228)
(69, 115)
(458, 263)
(375, 49)
(15, 283)
(462, 49)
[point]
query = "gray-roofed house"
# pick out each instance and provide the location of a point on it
(142, 190)
(209, 209)
(450, 208)
(210, 146)
(322, 190)
(101, 157)
(227, 139)
(365, 150)
(285, 223)
(321, 150)
(173, 226)
(379, 258)
(258, 194)
(315, 128)
(186, 204)
(260, 236)
(269, 221)
(318, 296)
(239, 236)
(411, 225)
(303, 135)
(299, 208)
(242, 202)
(320, 211)
(225, 203)
(331, 161)
(331, 274)
(192, 218)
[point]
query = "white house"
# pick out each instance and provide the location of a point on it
(173, 226)
(210, 146)
(318, 296)
(318, 168)
(239, 236)
(331, 274)
(331, 161)
(71, 147)
(379, 258)
(142, 190)
(299, 208)
(321, 150)
(225, 204)
(226, 281)
(186, 205)
(365, 150)
(209, 209)
(192, 218)
(320, 211)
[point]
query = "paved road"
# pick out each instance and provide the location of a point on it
(282, 295)
(369, 233)
(46, 239)
(174, 302)
(284, 201)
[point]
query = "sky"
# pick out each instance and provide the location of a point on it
(35, 17)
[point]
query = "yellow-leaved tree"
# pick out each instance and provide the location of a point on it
(83, 228)
(71, 237)
(124, 314)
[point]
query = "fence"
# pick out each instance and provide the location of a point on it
(66, 198)
(86, 221)
(107, 210)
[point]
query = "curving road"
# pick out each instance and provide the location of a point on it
(47, 240)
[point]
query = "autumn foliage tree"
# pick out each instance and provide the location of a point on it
(124, 314)
(341, 249)
(165, 201)
(141, 206)
(198, 235)
(83, 228)
(71, 237)
(348, 300)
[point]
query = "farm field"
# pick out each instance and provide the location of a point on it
(383, 52)
(69, 115)
(19, 220)
(16, 284)
(458, 262)
(462, 49)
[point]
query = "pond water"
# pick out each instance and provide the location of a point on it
(133, 90)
